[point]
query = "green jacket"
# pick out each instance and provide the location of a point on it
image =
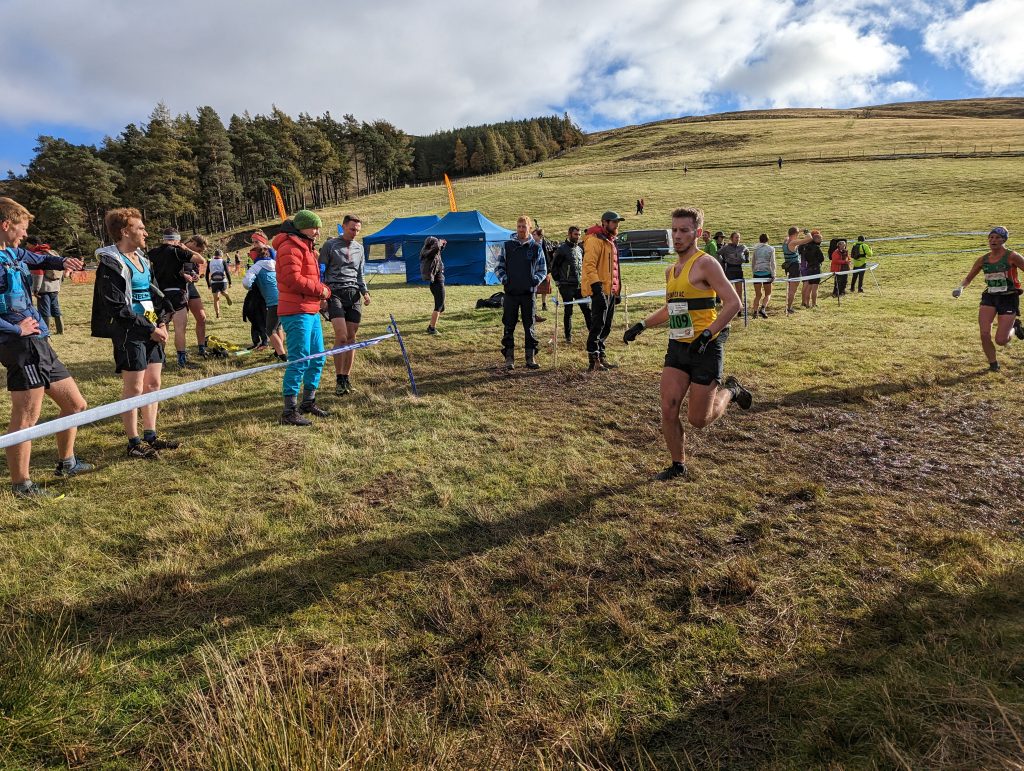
(861, 253)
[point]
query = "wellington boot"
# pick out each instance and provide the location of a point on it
(510, 360)
(58, 323)
(531, 362)
(607, 364)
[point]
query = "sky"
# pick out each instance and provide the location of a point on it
(84, 70)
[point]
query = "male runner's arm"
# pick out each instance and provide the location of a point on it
(970, 277)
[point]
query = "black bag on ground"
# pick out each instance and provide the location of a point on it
(494, 301)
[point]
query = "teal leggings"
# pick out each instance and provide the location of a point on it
(304, 336)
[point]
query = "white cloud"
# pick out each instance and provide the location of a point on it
(448, 63)
(984, 41)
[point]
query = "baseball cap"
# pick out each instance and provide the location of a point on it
(611, 216)
(718, 234)
(1000, 231)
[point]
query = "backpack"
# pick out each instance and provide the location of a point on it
(494, 301)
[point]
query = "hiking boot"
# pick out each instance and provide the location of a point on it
(740, 395)
(675, 471)
(162, 444)
(531, 362)
(311, 408)
(32, 491)
(510, 361)
(59, 322)
(607, 364)
(431, 330)
(993, 366)
(79, 467)
(1018, 329)
(142, 451)
(596, 365)
(568, 338)
(293, 418)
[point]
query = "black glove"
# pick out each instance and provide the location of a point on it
(700, 345)
(633, 332)
(618, 299)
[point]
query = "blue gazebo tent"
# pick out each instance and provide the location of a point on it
(474, 244)
(391, 237)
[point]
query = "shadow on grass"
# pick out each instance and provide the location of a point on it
(175, 609)
(929, 679)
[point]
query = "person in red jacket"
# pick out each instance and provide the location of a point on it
(300, 293)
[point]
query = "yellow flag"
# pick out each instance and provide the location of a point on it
(280, 203)
(451, 194)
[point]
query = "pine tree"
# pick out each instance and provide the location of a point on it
(460, 161)
(219, 189)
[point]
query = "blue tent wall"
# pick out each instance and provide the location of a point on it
(392, 236)
(470, 235)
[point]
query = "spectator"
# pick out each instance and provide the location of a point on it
(521, 267)
(840, 264)
(432, 271)
(601, 282)
(860, 255)
(46, 286)
(544, 289)
(566, 268)
(342, 258)
(811, 259)
(763, 268)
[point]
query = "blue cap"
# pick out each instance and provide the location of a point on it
(1000, 231)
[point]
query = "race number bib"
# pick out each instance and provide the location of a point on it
(680, 325)
(996, 283)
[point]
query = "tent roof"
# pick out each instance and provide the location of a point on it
(398, 229)
(465, 226)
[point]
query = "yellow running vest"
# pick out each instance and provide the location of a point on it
(690, 310)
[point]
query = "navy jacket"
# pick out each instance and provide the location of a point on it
(521, 266)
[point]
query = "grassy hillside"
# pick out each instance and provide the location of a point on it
(486, 577)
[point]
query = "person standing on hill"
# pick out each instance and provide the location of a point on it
(432, 271)
(300, 294)
(33, 368)
(566, 268)
(763, 268)
(811, 259)
(520, 269)
(343, 259)
(840, 264)
(175, 268)
(263, 276)
(544, 289)
(1000, 302)
(733, 255)
(860, 254)
(46, 286)
(697, 335)
(791, 263)
(601, 282)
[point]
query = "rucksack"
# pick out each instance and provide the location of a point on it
(494, 301)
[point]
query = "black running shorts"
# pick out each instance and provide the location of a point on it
(1005, 303)
(345, 304)
(703, 370)
(792, 269)
(133, 355)
(31, 363)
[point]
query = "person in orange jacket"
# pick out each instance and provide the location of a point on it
(600, 282)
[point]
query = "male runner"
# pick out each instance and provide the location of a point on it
(175, 270)
(791, 263)
(697, 335)
(1001, 297)
(342, 258)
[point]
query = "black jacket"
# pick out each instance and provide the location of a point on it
(112, 300)
(567, 263)
(168, 260)
(431, 264)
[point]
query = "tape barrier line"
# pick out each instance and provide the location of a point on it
(104, 411)
(661, 292)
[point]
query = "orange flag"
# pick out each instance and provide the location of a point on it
(280, 203)
(451, 194)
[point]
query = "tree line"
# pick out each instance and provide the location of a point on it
(196, 174)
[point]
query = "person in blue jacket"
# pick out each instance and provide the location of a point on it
(263, 275)
(25, 351)
(521, 267)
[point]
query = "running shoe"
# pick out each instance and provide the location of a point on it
(142, 451)
(80, 467)
(762, 313)
(790, 311)
(993, 366)
(676, 470)
(431, 330)
(1018, 329)
(162, 444)
(342, 387)
(740, 395)
(34, 492)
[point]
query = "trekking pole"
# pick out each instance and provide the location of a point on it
(405, 354)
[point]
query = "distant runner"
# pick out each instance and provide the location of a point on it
(218, 279)
(1001, 298)
(697, 335)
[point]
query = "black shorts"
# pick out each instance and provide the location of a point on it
(344, 303)
(193, 293)
(273, 322)
(177, 297)
(734, 272)
(132, 354)
(218, 286)
(701, 369)
(792, 269)
(437, 289)
(31, 363)
(1005, 303)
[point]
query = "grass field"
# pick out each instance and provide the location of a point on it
(486, 577)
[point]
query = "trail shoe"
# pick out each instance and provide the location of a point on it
(596, 365)
(293, 418)
(72, 467)
(676, 470)
(1018, 329)
(763, 313)
(607, 364)
(993, 366)
(310, 408)
(161, 444)
(30, 490)
(343, 386)
(568, 338)
(510, 361)
(142, 451)
(790, 311)
(228, 298)
(531, 362)
(431, 330)
(740, 395)
(281, 356)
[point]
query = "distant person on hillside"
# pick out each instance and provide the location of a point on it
(697, 333)
(343, 259)
(175, 268)
(130, 311)
(811, 259)
(602, 283)
(763, 267)
(860, 254)
(639, 207)
(1000, 302)
(840, 264)
(780, 163)
(567, 268)
(300, 293)
(432, 271)
(218, 279)
(33, 368)
(520, 269)
(544, 289)
(46, 286)
(791, 263)
(263, 276)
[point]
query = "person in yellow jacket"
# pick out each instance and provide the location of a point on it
(600, 282)
(697, 332)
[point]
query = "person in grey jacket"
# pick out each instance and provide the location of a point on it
(432, 270)
(732, 256)
(341, 266)
(566, 268)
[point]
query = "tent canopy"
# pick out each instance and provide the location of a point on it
(397, 230)
(474, 244)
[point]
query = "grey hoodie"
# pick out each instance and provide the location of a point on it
(343, 264)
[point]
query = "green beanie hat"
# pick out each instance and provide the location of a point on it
(304, 218)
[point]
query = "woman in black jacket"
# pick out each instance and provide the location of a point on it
(432, 270)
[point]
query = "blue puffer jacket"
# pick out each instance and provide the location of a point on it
(14, 267)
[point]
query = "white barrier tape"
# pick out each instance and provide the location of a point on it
(104, 411)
